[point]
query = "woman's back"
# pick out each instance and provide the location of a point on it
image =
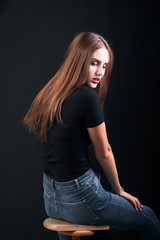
(66, 152)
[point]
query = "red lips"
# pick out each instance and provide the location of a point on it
(96, 80)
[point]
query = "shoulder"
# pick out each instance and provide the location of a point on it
(85, 89)
(83, 95)
(86, 92)
(90, 107)
(88, 99)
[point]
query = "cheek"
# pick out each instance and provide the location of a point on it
(91, 70)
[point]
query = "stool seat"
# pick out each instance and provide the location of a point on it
(75, 230)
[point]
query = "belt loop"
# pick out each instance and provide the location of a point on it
(53, 184)
(77, 183)
(98, 175)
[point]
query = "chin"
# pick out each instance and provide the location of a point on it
(92, 85)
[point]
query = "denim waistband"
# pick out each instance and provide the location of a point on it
(75, 182)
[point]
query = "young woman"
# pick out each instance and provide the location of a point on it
(67, 113)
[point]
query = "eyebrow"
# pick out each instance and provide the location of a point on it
(95, 59)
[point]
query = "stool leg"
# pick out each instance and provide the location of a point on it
(76, 237)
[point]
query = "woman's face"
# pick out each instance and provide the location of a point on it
(98, 65)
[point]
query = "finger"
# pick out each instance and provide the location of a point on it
(134, 204)
(139, 206)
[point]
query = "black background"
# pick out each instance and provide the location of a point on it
(34, 36)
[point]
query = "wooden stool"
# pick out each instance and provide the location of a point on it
(75, 230)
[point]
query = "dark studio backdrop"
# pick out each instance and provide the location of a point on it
(34, 38)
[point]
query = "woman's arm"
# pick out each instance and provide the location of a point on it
(106, 159)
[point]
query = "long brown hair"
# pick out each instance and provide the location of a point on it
(73, 73)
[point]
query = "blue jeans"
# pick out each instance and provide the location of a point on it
(84, 201)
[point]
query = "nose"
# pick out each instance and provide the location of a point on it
(100, 71)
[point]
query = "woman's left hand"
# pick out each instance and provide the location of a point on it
(135, 201)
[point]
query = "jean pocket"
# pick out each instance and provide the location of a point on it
(95, 185)
(79, 212)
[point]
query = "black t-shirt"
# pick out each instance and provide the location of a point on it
(66, 152)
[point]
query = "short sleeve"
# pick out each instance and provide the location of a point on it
(91, 108)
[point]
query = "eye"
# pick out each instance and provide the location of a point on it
(94, 63)
(104, 66)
